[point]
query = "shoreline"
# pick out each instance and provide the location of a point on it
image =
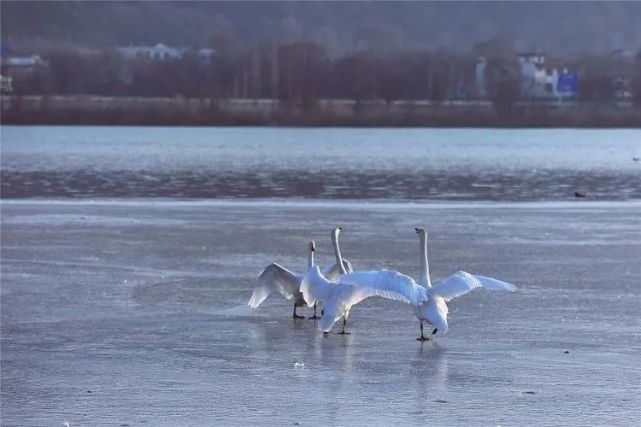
(138, 111)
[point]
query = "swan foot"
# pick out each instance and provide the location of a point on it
(296, 316)
(423, 337)
(434, 331)
(342, 332)
(314, 317)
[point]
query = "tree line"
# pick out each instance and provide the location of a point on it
(304, 72)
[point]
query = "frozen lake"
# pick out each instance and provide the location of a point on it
(132, 312)
(327, 163)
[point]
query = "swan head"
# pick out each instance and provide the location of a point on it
(336, 231)
(420, 231)
(312, 245)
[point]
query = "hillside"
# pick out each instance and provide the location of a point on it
(551, 26)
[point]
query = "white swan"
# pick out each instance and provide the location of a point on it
(429, 302)
(276, 278)
(339, 298)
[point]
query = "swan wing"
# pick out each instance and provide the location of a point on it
(390, 282)
(494, 284)
(315, 286)
(344, 296)
(274, 278)
(461, 282)
(332, 272)
(353, 294)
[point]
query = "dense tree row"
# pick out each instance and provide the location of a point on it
(304, 72)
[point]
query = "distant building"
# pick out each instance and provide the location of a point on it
(6, 84)
(479, 76)
(535, 58)
(16, 66)
(206, 54)
(534, 79)
(567, 83)
(622, 73)
(529, 76)
(545, 79)
(623, 87)
(159, 52)
(23, 61)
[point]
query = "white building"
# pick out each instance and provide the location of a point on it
(479, 76)
(16, 67)
(534, 77)
(159, 52)
(206, 54)
(540, 79)
(6, 84)
(23, 61)
(531, 58)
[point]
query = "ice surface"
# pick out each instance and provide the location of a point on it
(133, 313)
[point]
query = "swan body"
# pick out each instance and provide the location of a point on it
(429, 302)
(277, 279)
(340, 296)
(434, 311)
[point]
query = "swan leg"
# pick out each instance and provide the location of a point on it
(296, 316)
(314, 317)
(434, 331)
(343, 331)
(422, 337)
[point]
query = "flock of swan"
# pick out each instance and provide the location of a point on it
(338, 287)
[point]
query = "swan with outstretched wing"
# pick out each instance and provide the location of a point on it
(339, 298)
(429, 302)
(349, 289)
(277, 279)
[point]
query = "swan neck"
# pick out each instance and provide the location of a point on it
(424, 277)
(337, 253)
(310, 259)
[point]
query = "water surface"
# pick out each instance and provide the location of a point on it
(417, 164)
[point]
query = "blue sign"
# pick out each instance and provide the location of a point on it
(568, 82)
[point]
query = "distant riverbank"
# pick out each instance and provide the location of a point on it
(95, 110)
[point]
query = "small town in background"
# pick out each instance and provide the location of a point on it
(286, 76)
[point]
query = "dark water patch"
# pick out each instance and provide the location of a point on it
(503, 186)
